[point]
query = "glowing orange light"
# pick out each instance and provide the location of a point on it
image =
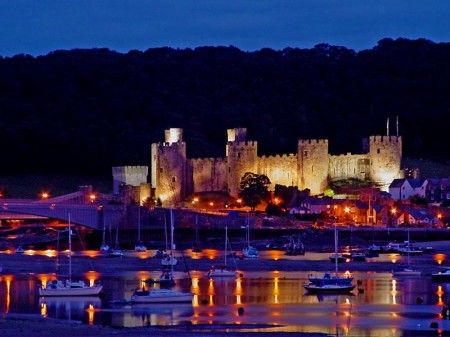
(44, 195)
(92, 197)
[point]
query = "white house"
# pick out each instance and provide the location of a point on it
(403, 189)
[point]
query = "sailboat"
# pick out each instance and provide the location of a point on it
(168, 262)
(223, 271)
(69, 288)
(104, 247)
(116, 251)
(196, 247)
(331, 284)
(161, 295)
(249, 251)
(407, 271)
(139, 247)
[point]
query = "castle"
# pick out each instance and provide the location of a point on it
(174, 176)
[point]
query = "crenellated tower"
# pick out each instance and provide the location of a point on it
(169, 168)
(241, 157)
(385, 154)
(313, 163)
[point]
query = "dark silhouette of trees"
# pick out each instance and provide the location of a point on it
(254, 189)
(88, 110)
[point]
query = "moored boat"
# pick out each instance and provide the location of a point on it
(69, 288)
(331, 284)
(160, 296)
(441, 276)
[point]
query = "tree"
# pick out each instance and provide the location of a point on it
(254, 189)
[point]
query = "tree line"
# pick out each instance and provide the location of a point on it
(86, 110)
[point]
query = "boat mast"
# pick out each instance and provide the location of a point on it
(70, 251)
(139, 224)
(335, 246)
(226, 242)
(171, 239)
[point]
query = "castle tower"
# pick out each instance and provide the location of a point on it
(313, 162)
(385, 154)
(241, 158)
(169, 168)
(128, 175)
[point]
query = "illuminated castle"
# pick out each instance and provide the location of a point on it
(174, 176)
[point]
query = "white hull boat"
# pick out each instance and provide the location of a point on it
(160, 296)
(78, 288)
(69, 288)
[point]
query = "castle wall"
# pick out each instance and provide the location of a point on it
(209, 174)
(128, 175)
(280, 170)
(174, 177)
(385, 154)
(313, 162)
(349, 166)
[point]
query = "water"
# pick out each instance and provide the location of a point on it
(261, 301)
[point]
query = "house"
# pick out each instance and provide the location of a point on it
(403, 189)
(416, 216)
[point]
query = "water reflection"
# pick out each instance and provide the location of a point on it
(276, 299)
(71, 308)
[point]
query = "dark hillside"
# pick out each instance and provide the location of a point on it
(87, 110)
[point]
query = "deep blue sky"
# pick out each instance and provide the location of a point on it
(37, 27)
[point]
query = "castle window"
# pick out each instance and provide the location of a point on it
(174, 179)
(160, 170)
(378, 151)
(312, 168)
(306, 153)
(229, 169)
(239, 155)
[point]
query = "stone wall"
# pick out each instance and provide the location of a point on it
(209, 174)
(349, 165)
(281, 170)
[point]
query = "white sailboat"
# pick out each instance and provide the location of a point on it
(116, 251)
(407, 271)
(166, 277)
(157, 295)
(163, 295)
(69, 288)
(329, 284)
(249, 251)
(104, 247)
(223, 271)
(139, 247)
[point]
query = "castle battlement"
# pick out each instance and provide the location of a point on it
(204, 160)
(313, 142)
(384, 139)
(171, 145)
(348, 155)
(248, 143)
(130, 170)
(280, 156)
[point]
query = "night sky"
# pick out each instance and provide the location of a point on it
(38, 27)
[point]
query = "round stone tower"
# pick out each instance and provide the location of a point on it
(241, 158)
(169, 168)
(313, 161)
(385, 154)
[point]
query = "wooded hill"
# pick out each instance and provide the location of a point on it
(88, 110)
